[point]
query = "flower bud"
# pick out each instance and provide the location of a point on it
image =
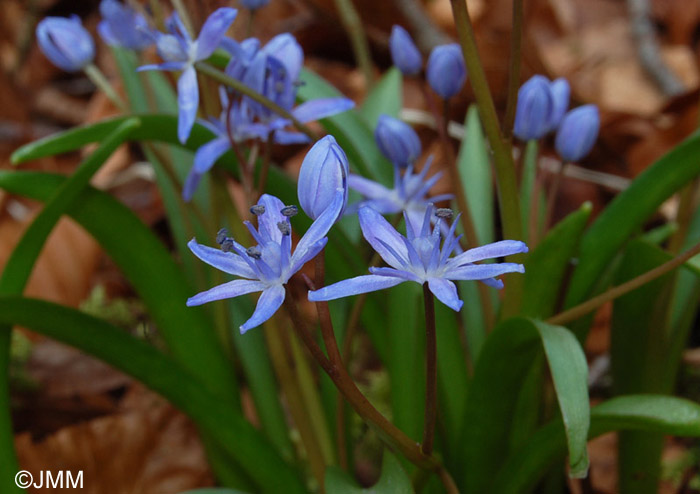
(397, 141)
(323, 171)
(123, 26)
(578, 132)
(65, 42)
(534, 111)
(404, 52)
(446, 70)
(560, 97)
(285, 48)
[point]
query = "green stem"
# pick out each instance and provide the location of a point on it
(430, 372)
(98, 78)
(527, 185)
(222, 78)
(360, 46)
(592, 304)
(503, 158)
(516, 37)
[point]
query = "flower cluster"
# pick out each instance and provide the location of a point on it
(542, 108)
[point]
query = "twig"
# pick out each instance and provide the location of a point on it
(648, 48)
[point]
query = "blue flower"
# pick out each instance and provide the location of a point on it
(180, 52)
(446, 70)
(419, 257)
(404, 52)
(65, 42)
(534, 112)
(123, 26)
(561, 92)
(254, 4)
(323, 171)
(577, 133)
(397, 141)
(267, 266)
(407, 196)
(238, 118)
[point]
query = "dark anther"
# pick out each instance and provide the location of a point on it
(227, 245)
(284, 227)
(289, 211)
(257, 210)
(253, 252)
(444, 213)
(221, 236)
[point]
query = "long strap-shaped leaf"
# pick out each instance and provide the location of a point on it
(165, 376)
(507, 354)
(652, 413)
(19, 267)
(627, 213)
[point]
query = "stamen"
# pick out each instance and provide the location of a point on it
(221, 235)
(257, 210)
(227, 245)
(253, 252)
(289, 211)
(444, 213)
(284, 227)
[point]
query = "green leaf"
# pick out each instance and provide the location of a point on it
(350, 130)
(392, 481)
(214, 490)
(385, 98)
(652, 413)
(505, 358)
(547, 264)
(162, 374)
(475, 171)
(627, 213)
(148, 266)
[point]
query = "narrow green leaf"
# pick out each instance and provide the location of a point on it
(392, 481)
(505, 358)
(157, 371)
(652, 413)
(386, 98)
(475, 171)
(350, 130)
(627, 213)
(546, 265)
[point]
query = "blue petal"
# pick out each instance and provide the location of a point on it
(286, 138)
(319, 228)
(396, 273)
(375, 227)
(267, 222)
(206, 156)
(490, 251)
(354, 286)
(228, 262)
(213, 31)
(268, 303)
(321, 108)
(188, 102)
(190, 186)
(446, 292)
(231, 289)
(162, 66)
(302, 257)
(483, 271)
(368, 188)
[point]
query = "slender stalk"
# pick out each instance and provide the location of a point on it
(360, 46)
(592, 304)
(516, 38)
(528, 177)
(552, 196)
(357, 400)
(502, 155)
(222, 78)
(99, 80)
(686, 208)
(430, 372)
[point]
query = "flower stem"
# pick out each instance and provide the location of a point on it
(224, 79)
(99, 80)
(357, 400)
(615, 292)
(502, 155)
(430, 372)
(516, 37)
(360, 46)
(553, 193)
